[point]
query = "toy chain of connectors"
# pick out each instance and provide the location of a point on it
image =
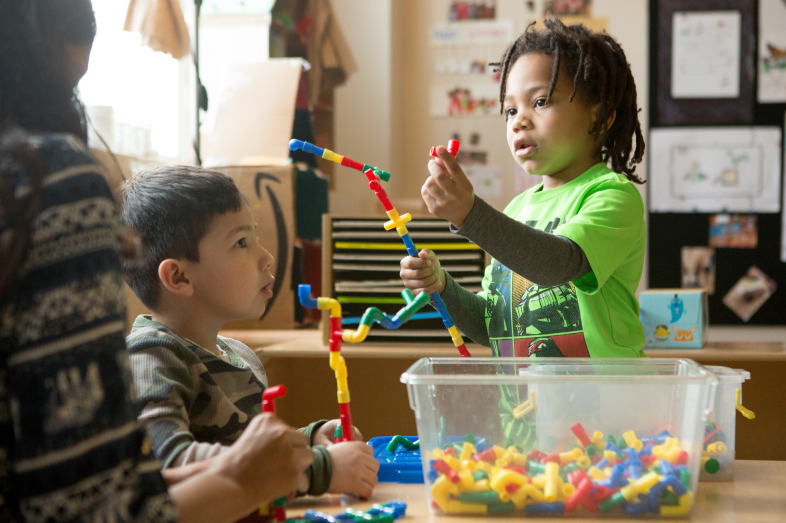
(599, 474)
(374, 176)
(378, 513)
(337, 335)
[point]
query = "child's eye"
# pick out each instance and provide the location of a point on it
(509, 112)
(242, 243)
(540, 102)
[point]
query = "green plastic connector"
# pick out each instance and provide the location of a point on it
(501, 508)
(668, 497)
(371, 315)
(480, 475)
(614, 501)
(487, 497)
(685, 478)
(280, 502)
(383, 175)
(404, 442)
(469, 438)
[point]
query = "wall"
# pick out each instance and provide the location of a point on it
(364, 104)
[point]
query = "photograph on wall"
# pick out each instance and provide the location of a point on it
(772, 51)
(472, 10)
(476, 99)
(705, 59)
(567, 7)
(486, 179)
(698, 268)
(472, 157)
(706, 169)
(737, 231)
(749, 293)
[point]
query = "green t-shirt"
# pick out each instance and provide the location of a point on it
(596, 315)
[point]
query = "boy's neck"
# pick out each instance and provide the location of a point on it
(570, 173)
(191, 325)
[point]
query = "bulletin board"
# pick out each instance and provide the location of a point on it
(741, 109)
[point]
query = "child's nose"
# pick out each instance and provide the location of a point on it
(265, 259)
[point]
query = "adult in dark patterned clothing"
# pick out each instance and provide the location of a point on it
(71, 448)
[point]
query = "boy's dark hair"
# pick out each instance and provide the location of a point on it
(171, 208)
(601, 74)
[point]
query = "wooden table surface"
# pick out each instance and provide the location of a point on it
(307, 343)
(757, 495)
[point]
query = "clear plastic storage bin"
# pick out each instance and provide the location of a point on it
(717, 462)
(566, 436)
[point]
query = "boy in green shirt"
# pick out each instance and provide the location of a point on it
(567, 254)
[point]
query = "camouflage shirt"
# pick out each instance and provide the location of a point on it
(197, 404)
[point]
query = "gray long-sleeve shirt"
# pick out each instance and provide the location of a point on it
(539, 256)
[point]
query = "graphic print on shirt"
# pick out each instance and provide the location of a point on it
(526, 319)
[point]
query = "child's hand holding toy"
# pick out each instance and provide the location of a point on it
(447, 192)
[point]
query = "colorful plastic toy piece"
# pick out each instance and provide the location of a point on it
(378, 513)
(744, 411)
(374, 175)
(400, 465)
(337, 335)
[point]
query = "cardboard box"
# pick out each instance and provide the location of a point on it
(249, 142)
(271, 194)
(674, 318)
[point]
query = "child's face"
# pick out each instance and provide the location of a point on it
(232, 280)
(547, 139)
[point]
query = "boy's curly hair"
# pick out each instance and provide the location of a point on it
(600, 73)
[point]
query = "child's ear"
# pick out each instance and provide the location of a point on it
(609, 120)
(172, 274)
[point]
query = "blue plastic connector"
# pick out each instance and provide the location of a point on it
(556, 507)
(304, 294)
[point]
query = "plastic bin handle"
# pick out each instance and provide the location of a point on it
(710, 406)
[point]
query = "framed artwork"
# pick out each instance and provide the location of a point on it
(705, 62)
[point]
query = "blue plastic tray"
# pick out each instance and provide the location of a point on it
(402, 467)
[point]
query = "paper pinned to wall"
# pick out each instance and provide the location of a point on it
(706, 169)
(705, 59)
(772, 51)
(486, 179)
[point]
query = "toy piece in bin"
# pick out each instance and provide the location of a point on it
(647, 475)
(717, 461)
(399, 459)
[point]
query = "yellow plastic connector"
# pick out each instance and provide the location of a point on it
(686, 501)
(717, 449)
(455, 336)
(333, 157)
(748, 413)
(526, 407)
(457, 507)
(330, 304)
(356, 336)
(397, 222)
(640, 486)
(632, 440)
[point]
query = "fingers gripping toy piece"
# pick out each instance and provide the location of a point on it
(269, 397)
(398, 222)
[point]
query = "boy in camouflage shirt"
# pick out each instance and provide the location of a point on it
(200, 267)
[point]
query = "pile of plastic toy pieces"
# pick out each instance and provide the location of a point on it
(715, 457)
(384, 513)
(640, 476)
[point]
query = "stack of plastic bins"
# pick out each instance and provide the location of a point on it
(566, 436)
(718, 458)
